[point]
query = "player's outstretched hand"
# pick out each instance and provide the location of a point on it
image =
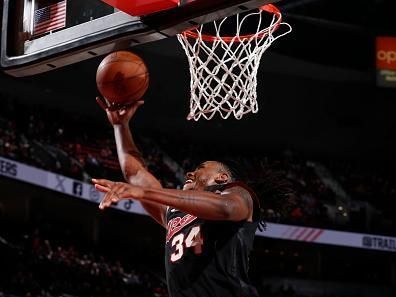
(119, 114)
(116, 191)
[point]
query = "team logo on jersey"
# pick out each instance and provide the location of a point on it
(178, 223)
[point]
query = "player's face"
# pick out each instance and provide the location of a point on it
(204, 175)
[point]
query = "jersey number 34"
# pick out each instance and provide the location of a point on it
(180, 242)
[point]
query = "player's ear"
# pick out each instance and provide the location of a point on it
(222, 178)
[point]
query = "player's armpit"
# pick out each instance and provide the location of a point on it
(146, 179)
(156, 211)
(241, 207)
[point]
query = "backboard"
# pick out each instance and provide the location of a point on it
(42, 35)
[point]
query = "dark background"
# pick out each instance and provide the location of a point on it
(316, 90)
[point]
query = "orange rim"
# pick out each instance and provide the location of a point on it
(210, 38)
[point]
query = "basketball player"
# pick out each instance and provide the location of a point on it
(210, 224)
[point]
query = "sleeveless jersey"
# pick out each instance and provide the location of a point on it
(208, 258)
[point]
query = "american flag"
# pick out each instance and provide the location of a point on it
(50, 18)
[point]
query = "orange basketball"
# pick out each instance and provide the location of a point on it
(122, 77)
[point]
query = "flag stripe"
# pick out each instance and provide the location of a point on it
(50, 18)
(54, 27)
(49, 24)
(55, 8)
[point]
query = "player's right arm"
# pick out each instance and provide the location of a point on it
(131, 160)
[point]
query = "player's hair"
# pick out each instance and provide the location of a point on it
(230, 170)
(274, 191)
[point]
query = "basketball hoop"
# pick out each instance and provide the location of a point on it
(224, 69)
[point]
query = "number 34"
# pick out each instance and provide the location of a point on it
(193, 239)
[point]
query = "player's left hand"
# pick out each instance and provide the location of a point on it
(119, 114)
(116, 191)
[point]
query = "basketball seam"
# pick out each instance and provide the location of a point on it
(124, 79)
(131, 94)
(137, 63)
(139, 67)
(130, 80)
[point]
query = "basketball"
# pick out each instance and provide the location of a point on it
(122, 77)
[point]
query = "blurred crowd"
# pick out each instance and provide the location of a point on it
(36, 263)
(72, 145)
(39, 267)
(54, 140)
(372, 182)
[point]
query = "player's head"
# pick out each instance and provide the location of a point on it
(208, 173)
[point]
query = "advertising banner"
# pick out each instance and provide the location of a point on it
(86, 191)
(386, 61)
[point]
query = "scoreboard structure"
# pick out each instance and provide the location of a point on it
(41, 35)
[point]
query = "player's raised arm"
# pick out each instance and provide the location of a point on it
(131, 161)
(234, 204)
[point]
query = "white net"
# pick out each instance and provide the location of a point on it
(224, 69)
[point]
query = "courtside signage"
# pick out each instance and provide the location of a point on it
(60, 183)
(386, 61)
(330, 237)
(86, 191)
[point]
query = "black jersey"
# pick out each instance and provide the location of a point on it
(208, 258)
